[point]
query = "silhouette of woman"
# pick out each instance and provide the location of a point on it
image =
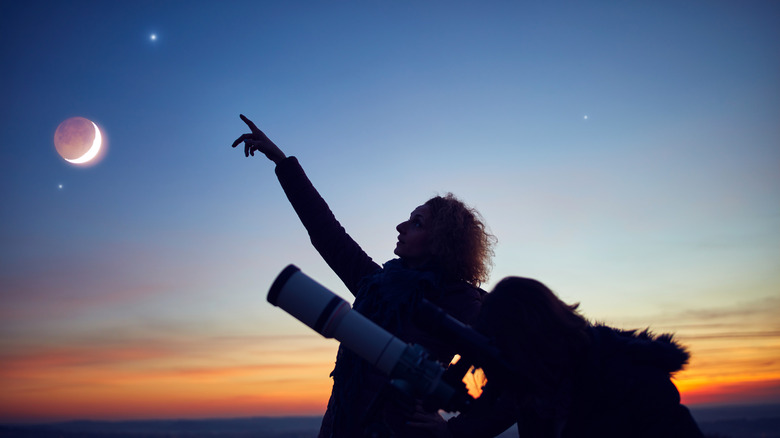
(572, 379)
(444, 252)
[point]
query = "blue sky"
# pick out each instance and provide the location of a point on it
(626, 154)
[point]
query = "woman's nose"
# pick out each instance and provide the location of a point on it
(400, 227)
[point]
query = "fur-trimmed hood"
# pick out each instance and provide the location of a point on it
(640, 348)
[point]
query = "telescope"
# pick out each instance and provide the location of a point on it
(408, 366)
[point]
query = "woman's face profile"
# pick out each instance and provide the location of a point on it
(414, 237)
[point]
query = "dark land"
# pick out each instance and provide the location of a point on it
(759, 421)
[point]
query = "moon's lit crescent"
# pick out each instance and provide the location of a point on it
(79, 141)
(93, 151)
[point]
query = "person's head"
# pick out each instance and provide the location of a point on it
(450, 234)
(535, 331)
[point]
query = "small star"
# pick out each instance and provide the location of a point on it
(153, 37)
(585, 118)
(59, 186)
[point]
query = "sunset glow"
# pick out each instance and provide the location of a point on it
(625, 155)
(288, 376)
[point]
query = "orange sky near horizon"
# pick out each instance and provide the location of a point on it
(289, 376)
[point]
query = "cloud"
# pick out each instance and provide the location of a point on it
(731, 335)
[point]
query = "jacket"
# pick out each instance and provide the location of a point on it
(386, 295)
(621, 387)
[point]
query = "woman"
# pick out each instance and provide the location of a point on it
(572, 379)
(443, 254)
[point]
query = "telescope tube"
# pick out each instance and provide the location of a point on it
(408, 366)
(332, 317)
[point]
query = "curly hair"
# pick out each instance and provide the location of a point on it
(460, 240)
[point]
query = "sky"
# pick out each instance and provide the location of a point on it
(626, 154)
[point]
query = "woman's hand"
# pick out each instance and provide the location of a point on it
(433, 423)
(258, 141)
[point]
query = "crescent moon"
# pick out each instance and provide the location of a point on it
(93, 150)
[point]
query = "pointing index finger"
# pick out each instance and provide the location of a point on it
(249, 123)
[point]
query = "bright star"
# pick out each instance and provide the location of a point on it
(585, 118)
(153, 36)
(59, 186)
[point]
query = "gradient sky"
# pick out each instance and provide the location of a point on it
(627, 154)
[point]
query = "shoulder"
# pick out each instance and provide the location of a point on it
(462, 292)
(461, 300)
